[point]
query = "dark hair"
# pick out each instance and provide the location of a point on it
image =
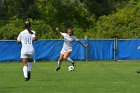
(70, 29)
(27, 26)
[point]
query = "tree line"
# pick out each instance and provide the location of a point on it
(92, 18)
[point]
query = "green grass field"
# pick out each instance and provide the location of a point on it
(89, 77)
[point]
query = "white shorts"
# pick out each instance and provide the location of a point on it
(63, 51)
(29, 55)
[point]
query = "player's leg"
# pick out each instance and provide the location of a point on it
(66, 57)
(30, 59)
(25, 68)
(71, 61)
(29, 67)
(59, 62)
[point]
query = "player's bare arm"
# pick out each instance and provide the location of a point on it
(34, 38)
(84, 45)
(58, 30)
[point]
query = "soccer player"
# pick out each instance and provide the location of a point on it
(26, 38)
(67, 46)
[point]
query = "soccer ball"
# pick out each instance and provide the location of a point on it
(71, 68)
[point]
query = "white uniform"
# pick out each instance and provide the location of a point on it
(68, 40)
(27, 49)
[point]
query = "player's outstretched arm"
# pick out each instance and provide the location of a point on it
(58, 30)
(84, 45)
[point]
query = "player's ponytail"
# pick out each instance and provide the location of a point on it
(27, 26)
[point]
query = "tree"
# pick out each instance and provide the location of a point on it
(20, 9)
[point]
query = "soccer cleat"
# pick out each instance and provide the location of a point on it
(26, 79)
(29, 75)
(74, 64)
(58, 68)
(138, 71)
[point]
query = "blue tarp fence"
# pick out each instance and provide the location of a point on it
(101, 49)
(96, 50)
(128, 49)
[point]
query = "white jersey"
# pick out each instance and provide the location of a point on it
(26, 39)
(68, 40)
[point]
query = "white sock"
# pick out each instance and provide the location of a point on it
(59, 64)
(29, 66)
(70, 60)
(25, 71)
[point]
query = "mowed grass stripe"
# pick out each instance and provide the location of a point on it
(89, 77)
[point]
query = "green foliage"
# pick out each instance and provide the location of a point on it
(43, 30)
(121, 24)
(20, 9)
(11, 29)
(92, 18)
(15, 26)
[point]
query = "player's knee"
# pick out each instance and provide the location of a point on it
(65, 58)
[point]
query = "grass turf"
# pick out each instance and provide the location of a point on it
(89, 77)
